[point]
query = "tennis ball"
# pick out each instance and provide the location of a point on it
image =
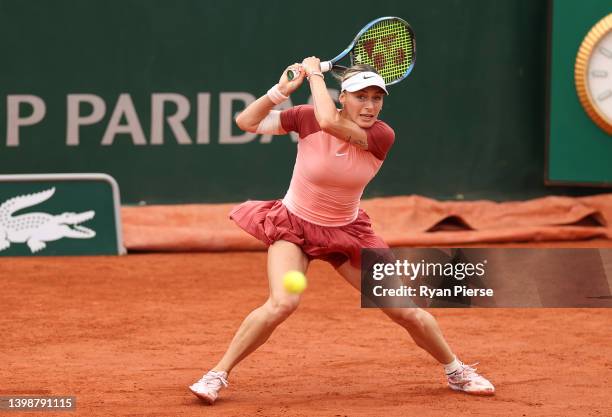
(294, 282)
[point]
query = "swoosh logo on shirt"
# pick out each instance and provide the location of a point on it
(341, 154)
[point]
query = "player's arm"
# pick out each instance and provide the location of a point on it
(259, 117)
(326, 112)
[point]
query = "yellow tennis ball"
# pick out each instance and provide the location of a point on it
(294, 282)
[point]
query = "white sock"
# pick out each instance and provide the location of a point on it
(452, 367)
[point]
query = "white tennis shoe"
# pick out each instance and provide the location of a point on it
(467, 380)
(208, 387)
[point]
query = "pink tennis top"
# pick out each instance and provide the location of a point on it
(330, 174)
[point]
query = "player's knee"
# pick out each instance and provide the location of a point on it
(410, 318)
(280, 308)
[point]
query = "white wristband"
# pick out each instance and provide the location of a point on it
(275, 95)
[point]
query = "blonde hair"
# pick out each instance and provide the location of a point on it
(356, 69)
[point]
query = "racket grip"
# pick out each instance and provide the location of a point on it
(326, 66)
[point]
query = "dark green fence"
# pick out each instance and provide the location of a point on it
(88, 86)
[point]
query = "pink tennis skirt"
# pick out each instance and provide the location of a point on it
(270, 221)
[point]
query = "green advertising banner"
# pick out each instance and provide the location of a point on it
(147, 91)
(579, 152)
(69, 214)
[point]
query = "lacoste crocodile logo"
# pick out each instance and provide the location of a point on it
(37, 228)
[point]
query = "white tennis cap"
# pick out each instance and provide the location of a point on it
(362, 80)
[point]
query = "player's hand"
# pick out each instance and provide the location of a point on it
(287, 87)
(311, 64)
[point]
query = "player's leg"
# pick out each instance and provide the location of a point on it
(421, 325)
(426, 333)
(260, 323)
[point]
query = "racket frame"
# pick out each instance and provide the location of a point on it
(331, 64)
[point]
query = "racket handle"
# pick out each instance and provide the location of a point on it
(325, 67)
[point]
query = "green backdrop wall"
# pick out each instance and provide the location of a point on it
(578, 150)
(86, 86)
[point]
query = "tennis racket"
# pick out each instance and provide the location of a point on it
(387, 43)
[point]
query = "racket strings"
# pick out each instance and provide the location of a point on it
(388, 46)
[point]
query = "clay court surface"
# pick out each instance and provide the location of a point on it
(127, 335)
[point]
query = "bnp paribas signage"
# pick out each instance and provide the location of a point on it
(145, 93)
(75, 214)
(168, 119)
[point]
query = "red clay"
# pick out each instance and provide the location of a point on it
(127, 335)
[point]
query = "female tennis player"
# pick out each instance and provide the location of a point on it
(339, 152)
